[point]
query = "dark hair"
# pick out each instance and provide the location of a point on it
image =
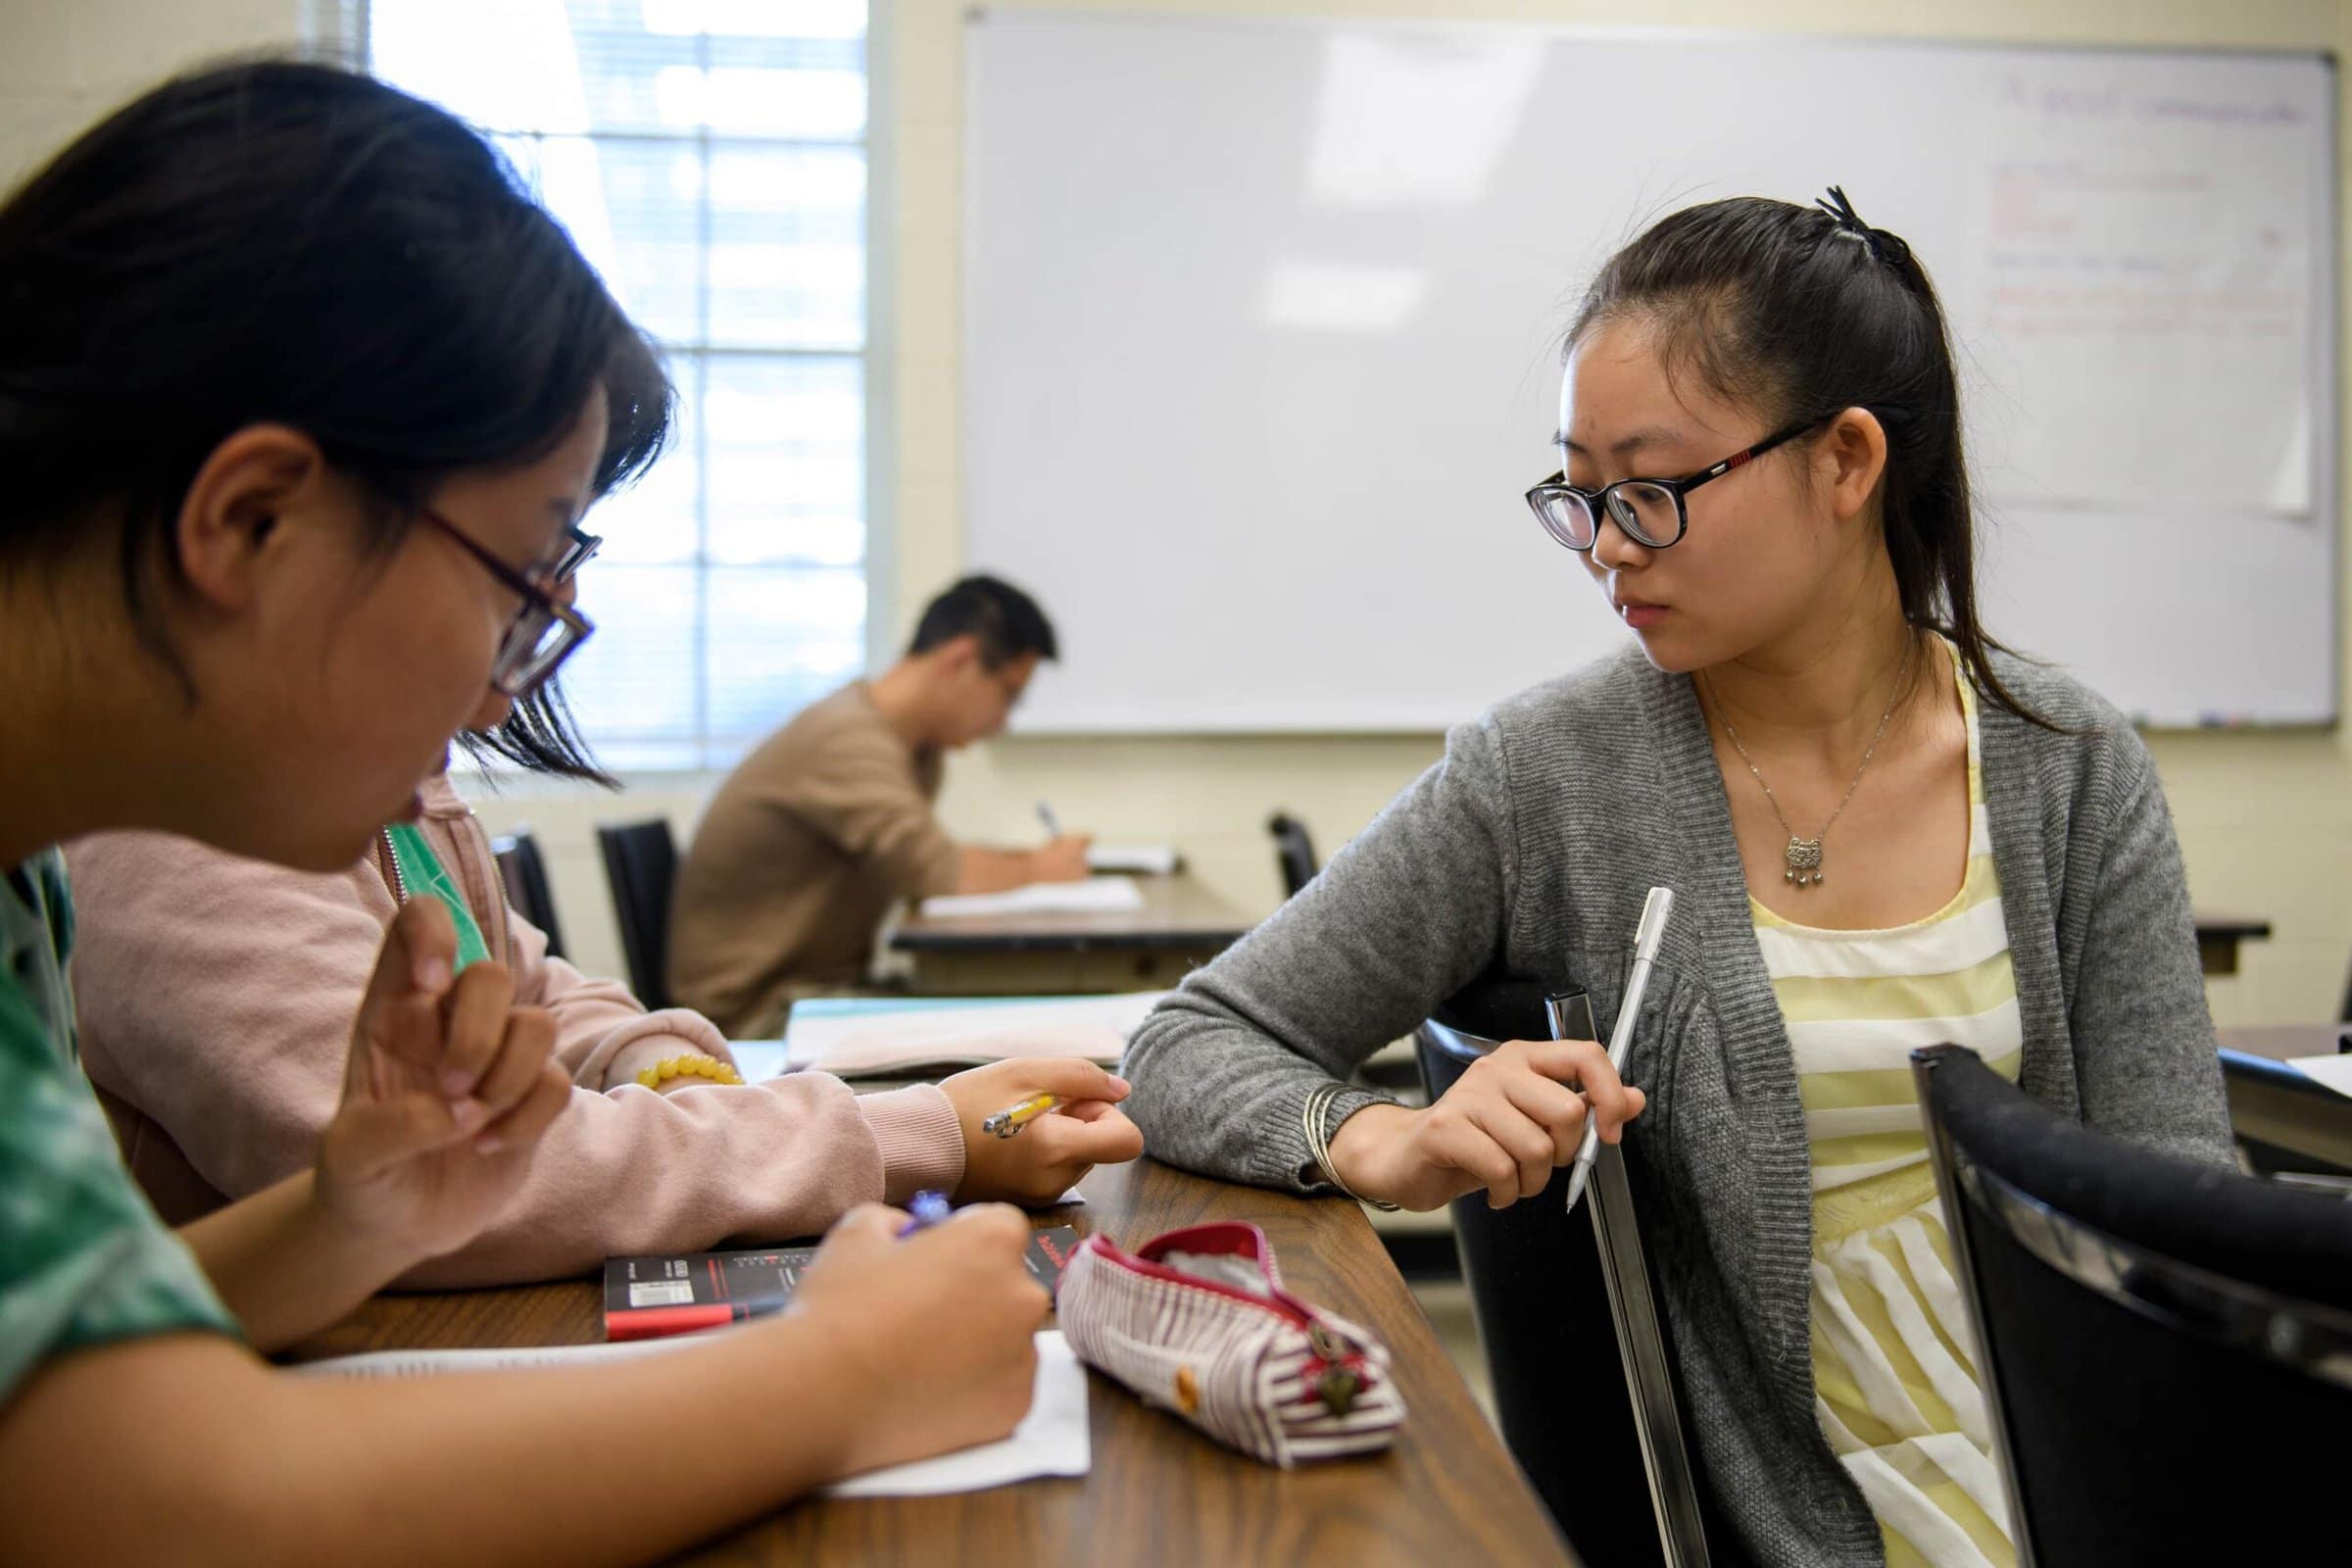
(277, 241)
(1798, 313)
(538, 736)
(1006, 619)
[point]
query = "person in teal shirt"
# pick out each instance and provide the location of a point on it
(59, 1179)
(301, 398)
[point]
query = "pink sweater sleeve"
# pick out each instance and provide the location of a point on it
(216, 996)
(595, 1020)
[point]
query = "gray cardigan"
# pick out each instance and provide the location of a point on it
(1527, 850)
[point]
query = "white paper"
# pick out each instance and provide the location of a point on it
(861, 1044)
(1097, 895)
(511, 1358)
(1051, 1440)
(1136, 860)
(2330, 1072)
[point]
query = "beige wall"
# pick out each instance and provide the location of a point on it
(64, 63)
(2266, 821)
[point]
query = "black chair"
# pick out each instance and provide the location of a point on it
(523, 870)
(2166, 1347)
(1294, 852)
(641, 862)
(1540, 1287)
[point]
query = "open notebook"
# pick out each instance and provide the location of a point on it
(874, 1037)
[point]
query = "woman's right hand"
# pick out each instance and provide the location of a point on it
(1049, 1156)
(933, 1337)
(1514, 1117)
(1063, 859)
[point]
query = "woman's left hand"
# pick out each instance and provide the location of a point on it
(445, 1094)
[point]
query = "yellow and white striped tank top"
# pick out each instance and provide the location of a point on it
(1894, 1362)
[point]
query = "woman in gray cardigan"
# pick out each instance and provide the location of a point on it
(1881, 828)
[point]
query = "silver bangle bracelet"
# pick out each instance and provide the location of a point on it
(1318, 1145)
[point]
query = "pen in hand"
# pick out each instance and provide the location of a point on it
(927, 1209)
(1646, 936)
(1044, 814)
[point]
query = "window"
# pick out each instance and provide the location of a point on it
(710, 158)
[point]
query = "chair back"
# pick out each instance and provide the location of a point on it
(2166, 1347)
(523, 870)
(641, 863)
(1541, 1288)
(1294, 852)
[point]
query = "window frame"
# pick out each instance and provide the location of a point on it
(344, 30)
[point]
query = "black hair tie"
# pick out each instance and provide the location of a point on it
(1883, 246)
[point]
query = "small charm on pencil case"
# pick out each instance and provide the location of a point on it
(1197, 1321)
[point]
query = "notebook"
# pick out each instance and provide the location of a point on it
(2332, 1072)
(654, 1295)
(876, 1037)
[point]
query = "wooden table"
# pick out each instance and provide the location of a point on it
(1160, 1493)
(2219, 935)
(1181, 925)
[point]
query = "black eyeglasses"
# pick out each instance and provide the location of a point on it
(543, 633)
(579, 548)
(1650, 511)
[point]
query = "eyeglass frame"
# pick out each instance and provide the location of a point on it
(511, 675)
(996, 673)
(1597, 501)
(579, 548)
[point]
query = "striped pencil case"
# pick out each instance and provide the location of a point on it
(1197, 1321)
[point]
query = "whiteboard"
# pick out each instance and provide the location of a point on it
(1262, 322)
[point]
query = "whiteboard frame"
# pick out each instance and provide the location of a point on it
(2329, 304)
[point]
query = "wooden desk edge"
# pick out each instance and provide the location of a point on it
(945, 939)
(1449, 1462)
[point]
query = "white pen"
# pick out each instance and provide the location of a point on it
(1646, 936)
(1044, 814)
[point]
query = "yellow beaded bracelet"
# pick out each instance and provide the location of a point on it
(697, 1065)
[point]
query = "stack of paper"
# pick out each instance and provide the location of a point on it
(1097, 895)
(1135, 859)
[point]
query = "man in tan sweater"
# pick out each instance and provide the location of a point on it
(818, 831)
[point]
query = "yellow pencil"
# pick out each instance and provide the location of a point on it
(1012, 1118)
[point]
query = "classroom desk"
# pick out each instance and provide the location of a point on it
(1160, 1493)
(1181, 926)
(2219, 935)
(2280, 1041)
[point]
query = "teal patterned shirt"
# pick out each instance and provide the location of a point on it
(83, 1259)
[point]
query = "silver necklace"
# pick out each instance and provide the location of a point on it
(1804, 855)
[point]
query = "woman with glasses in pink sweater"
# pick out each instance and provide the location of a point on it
(215, 995)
